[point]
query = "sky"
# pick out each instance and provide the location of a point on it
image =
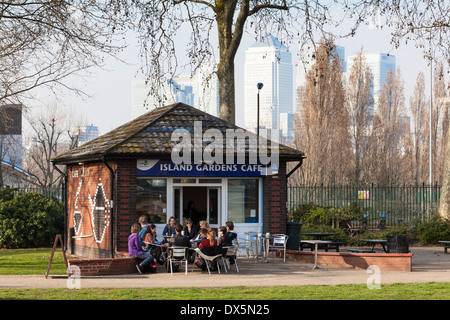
(110, 88)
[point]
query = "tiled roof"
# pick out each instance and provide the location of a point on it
(150, 136)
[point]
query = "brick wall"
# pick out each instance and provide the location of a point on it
(114, 266)
(385, 261)
(89, 210)
(275, 198)
(125, 202)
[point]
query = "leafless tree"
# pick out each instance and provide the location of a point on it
(42, 43)
(53, 132)
(360, 106)
(216, 28)
(390, 127)
(419, 106)
(424, 22)
(322, 120)
(440, 121)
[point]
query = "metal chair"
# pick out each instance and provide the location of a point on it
(212, 259)
(250, 244)
(231, 254)
(279, 244)
(178, 255)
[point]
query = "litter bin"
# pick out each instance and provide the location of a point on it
(397, 243)
(293, 232)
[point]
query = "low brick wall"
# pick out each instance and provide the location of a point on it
(114, 266)
(385, 261)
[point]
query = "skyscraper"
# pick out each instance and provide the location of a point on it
(200, 90)
(169, 92)
(380, 64)
(269, 63)
(87, 133)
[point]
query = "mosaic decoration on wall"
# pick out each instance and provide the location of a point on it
(90, 199)
(100, 213)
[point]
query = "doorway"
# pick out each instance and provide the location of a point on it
(198, 203)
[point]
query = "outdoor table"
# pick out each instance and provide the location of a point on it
(319, 235)
(254, 238)
(267, 245)
(375, 242)
(316, 244)
(316, 236)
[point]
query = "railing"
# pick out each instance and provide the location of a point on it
(391, 205)
(57, 192)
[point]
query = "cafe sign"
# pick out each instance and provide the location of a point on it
(156, 167)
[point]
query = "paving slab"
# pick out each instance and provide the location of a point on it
(429, 264)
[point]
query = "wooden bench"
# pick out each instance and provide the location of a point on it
(360, 250)
(446, 245)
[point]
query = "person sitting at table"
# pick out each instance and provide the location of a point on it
(169, 229)
(149, 239)
(202, 234)
(227, 239)
(230, 235)
(143, 221)
(135, 249)
(202, 225)
(209, 247)
(190, 229)
(222, 231)
(179, 240)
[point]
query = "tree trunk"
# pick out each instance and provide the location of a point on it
(225, 74)
(444, 207)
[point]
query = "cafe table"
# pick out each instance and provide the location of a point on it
(374, 242)
(316, 245)
(316, 236)
(254, 240)
(319, 235)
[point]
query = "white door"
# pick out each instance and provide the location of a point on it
(213, 207)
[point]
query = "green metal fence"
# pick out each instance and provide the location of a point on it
(391, 205)
(57, 192)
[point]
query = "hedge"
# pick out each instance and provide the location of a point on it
(29, 220)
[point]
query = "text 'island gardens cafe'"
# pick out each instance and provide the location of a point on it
(173, 161)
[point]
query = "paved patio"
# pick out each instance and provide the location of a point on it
(429, 264)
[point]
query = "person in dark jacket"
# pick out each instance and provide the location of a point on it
(190, 229)
(179, 240)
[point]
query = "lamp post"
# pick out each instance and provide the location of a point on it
(429, 57)
(259, 86)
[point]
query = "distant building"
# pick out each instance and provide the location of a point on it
(88, 133)
(269, 63)
(200, 90)
(11, 134)
(16, 177)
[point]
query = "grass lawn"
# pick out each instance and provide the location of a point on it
(30, 261)
(35, 261)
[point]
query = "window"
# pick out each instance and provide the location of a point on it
(243, 200)
(151, 199)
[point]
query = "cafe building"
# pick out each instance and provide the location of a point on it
(172, 161)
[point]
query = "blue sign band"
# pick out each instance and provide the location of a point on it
(170, 169)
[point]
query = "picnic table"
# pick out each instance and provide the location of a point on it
(374, 242)
(446, 245)
(319, 236)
